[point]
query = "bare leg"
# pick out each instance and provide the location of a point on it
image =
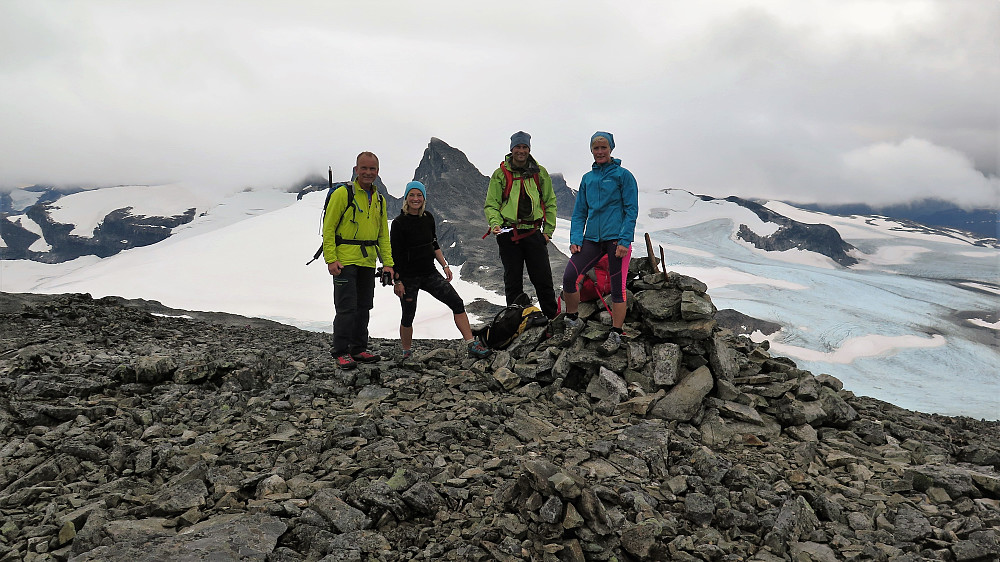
(462, 321)
(573, 302)
(406, 337)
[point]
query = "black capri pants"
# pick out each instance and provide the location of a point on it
(437, 286)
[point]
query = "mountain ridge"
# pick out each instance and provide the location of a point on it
(982, 221)
(450, 177)
(922, 301)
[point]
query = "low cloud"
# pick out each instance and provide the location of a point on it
(911, 170)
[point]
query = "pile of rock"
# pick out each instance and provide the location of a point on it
(129, 436)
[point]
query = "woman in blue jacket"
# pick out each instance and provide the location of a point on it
(604, 216)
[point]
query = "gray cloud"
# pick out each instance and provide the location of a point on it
(880, 101)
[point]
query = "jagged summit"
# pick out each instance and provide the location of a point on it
(456, 190)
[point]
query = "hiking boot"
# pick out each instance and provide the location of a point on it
(366, 357)
(571, 328)
(611, 344)
(478, 350)
(346, 362)
(407, 354)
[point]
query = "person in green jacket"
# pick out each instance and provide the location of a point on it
(352, 239)
(521, 211)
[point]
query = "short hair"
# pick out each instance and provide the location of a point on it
(366, 153)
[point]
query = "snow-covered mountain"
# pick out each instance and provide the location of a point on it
(49, 225)
(905, 313)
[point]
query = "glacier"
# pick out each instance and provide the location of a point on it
(914, 323)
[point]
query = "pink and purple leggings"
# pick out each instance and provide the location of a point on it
(590, 253)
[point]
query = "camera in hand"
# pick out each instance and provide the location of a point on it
(385, 277)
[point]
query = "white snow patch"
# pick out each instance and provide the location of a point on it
(26, 276)
(182, 316)
(891, 255)
(676, 208)
(40, 245)
(22, 199)
(865, 346)
(984, 324)
(28, 224)
(981, 287)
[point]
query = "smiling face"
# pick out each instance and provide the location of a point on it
(601, 150)
(414, 201)
(519, 154)
(366, 169)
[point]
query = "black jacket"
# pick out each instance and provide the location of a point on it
(413, 239)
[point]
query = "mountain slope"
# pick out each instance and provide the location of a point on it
(917, 311)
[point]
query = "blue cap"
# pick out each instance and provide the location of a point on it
(415, 185)
(520, 137)
(611, 139)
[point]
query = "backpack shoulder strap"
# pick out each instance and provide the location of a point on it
(510, 180)
(350, 198)
(509, 176)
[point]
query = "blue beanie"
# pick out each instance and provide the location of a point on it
(520, 137)
(415, 185)
(611, 139)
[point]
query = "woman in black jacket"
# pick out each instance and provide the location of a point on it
(414, 248)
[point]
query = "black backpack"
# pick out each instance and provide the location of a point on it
(350, 205)
(510, 323)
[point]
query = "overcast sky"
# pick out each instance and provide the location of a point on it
(800, 100)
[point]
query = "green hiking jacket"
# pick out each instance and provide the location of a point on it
(504, 213)
(363, 221)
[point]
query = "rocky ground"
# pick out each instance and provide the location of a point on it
(126, 435)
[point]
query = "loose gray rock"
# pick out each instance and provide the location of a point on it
(133, 436)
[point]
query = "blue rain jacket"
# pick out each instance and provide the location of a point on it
(607, 205)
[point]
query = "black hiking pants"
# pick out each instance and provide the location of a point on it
(353, 299)
(532, 252)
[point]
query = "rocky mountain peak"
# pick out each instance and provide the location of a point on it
(456, 190)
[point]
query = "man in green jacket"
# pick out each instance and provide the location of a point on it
(355, 232)
(521, 210)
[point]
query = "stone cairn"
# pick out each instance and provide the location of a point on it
(128, 436)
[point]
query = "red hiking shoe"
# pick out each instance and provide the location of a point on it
(346, 362)
(366, 357)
